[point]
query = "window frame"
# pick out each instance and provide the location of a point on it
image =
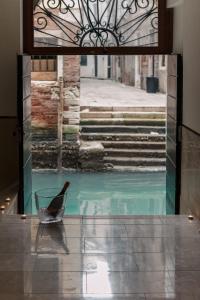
(165, 37)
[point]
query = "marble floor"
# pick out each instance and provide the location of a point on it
(123, 258)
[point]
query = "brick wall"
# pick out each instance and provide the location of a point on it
(71, 73)
(71, 115)
(45, 101)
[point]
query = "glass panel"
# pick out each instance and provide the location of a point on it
(95, 23)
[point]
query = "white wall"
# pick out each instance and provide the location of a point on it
(102, 67)
(89, 70)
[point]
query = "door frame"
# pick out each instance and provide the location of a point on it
(165, 48)
(178, 134)
(179, 131)
(174, 131)
(24, 134)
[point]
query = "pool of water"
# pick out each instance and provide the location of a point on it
(110, 193)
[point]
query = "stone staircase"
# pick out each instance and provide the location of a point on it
(133, 138)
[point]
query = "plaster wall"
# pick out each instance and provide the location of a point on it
(10, 46)
(187, 42)
(191, 64)
(8, 152)
(102, 67)
(178, 7)
(89, 70)
(190, 189)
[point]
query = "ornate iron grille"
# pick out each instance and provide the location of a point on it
(96, 23)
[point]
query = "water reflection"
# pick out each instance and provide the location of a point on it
(109, 193)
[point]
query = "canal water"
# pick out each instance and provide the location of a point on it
(109, 193)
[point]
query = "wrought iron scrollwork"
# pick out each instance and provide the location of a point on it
(97, 23)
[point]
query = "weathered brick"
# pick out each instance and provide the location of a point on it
(72, 70)
(72, 102)
(74, 109)
(71, 115)
(45, 105)
(73, 122)
(45, 99)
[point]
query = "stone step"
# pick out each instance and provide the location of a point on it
(139, 169)
(124, 108)
(134, 145)
(118, 121)
(123, 129)
(128, 115)
(139, 161)
(135, 153)
(122, 137)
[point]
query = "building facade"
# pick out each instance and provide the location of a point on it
(129, 70)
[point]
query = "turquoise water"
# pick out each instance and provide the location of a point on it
(116, 193)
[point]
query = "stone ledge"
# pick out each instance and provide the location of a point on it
(91, 148)
(91, 156)
(70, 129)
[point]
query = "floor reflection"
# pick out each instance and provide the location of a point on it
(104, 265)
(100, 280)
(51, 234)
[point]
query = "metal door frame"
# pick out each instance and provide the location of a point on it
(165, 48)
(178, 132)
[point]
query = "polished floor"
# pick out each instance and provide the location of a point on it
(107, 193)
(100, 258)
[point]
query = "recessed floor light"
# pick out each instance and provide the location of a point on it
(191, 217)
(23, 217)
